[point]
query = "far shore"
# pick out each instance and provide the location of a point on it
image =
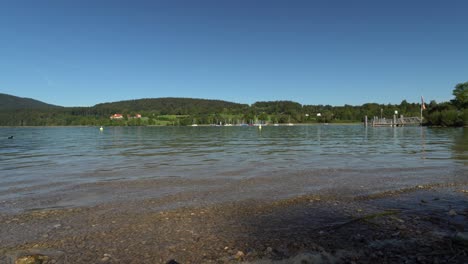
(201, 125)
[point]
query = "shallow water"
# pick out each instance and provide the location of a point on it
(283, 161)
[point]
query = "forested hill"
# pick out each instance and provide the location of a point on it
(10, 102)
(172, 106)
(153, 111)
(16, 111)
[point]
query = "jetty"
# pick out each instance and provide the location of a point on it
(393, 122)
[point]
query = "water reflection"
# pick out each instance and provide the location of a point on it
(423, 143)
(460, 146)
(85, 155)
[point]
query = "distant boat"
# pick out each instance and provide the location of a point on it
(276, 124)
(194, 125)
(290, 124)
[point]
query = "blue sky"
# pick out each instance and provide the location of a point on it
(79, 53)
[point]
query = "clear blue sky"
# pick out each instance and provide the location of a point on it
(79, 53)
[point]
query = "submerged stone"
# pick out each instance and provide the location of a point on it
(239, 255)
(33, 259)
(462, 237)
(35, 255)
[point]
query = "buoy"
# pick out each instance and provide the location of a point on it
(101, 129)
(259, 127)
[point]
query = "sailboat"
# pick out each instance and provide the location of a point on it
(289, 122)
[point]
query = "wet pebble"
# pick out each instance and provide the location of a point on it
(33, 259)
(402, 227)
(400, 220)
(421, 259)
(106, 257)
(239, 255)
(452, 212)
(462, 237)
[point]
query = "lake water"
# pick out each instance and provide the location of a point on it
(40, 162)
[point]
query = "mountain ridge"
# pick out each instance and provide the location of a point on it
(12, 102)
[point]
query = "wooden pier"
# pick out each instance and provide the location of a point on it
(393, 122)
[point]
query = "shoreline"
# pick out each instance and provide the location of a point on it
(199, 125)
(210, 125)
(421, 224)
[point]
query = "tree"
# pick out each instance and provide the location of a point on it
(263, 117)
(461, 95)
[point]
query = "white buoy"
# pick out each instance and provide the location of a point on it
(101, 129)
(259, 127)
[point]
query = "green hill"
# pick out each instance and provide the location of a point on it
(17, 111)
(10, 102)
(172, 106)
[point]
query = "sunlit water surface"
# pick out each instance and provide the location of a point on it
(41, 160)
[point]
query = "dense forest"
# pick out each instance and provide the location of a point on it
(16, 111)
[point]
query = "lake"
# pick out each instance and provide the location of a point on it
(48, 167)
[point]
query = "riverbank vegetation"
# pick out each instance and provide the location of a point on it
(15, 111)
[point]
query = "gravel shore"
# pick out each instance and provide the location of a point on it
(423, 224)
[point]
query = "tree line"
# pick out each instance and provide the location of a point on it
(453, 113)
(188, 111)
